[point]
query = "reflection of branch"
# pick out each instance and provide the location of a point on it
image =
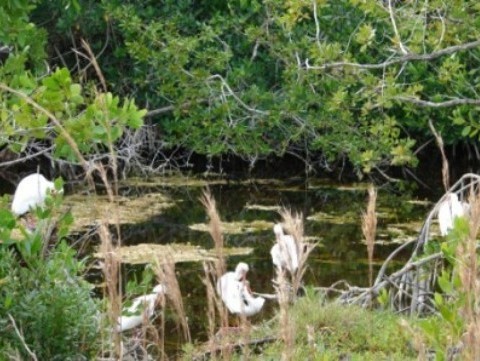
(403, 59)
(445, 104)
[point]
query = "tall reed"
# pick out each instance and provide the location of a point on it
(286, 325)
(165, 272)
(369, 228)
(110, 268)
(294, 224)
(213, 271)
(467, 259)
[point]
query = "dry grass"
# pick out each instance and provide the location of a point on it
(286, 292)
(294, 224)
(165, 273)
(213, 271)
(445, 168)
(286, 326)
(110, 268)
(369, 228)
(467, 260)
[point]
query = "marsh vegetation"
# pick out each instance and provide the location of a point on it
(176, 135)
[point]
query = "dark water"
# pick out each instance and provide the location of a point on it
(339, 255)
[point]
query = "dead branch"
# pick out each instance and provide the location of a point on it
(411, 288)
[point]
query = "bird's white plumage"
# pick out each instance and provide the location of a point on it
(448, 210)
(284, 253)
(142, 308)
(236, 295)
(30, 193)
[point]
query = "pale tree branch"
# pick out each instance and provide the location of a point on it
(395, 29)
(403, 59)
(445, 104)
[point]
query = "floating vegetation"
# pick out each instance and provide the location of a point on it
(348, 217)
(322, 184)
(176, 181)
(420, 202)
(88, 211)
(183, 181)
(236, 227)
(261, 207)
(151, 253)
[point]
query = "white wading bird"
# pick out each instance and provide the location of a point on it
(31, 193)
(448, 210)
(235, 292)
(141, 310)
(284, 252)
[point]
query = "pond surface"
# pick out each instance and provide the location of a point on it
(249, 209)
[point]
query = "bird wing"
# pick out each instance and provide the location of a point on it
(445, 220)
(276, 256)
(230, 291)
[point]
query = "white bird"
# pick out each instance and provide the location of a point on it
(142, 308)
(235, 292)
(284, 253)
(448, 210)
(31, 193)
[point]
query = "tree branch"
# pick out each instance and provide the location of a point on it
(402, 59)
(445, 104)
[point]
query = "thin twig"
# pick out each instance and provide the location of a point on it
(22, 339)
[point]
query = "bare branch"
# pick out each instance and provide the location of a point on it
(403, 59)
(27, 157)
(445, 104)
(395, 29)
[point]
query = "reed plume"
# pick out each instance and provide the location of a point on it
(213, 271)
(165, 272)
(369, 228)
(294, 224)
(285, 292)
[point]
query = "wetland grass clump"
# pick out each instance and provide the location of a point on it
(326, 330)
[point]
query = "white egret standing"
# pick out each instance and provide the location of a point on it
(142, 308)
(448, 210)
(284, 253)
(235, 292)
(31, 193)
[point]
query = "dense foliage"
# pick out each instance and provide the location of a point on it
(354, 80)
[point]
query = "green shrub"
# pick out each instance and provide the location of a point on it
(44, 298)
(51, 305)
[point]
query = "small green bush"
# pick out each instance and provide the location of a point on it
(51, 305)
(45, 302)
